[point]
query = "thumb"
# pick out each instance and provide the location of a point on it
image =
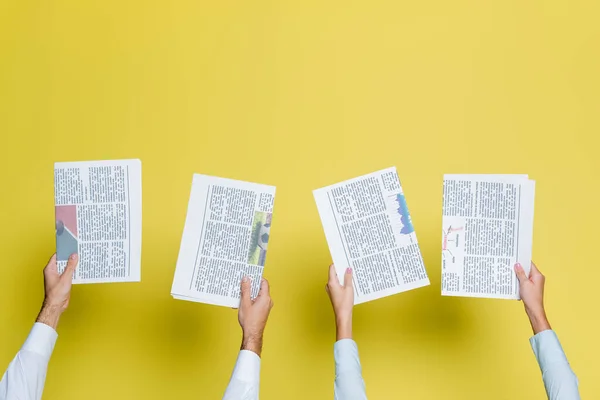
(246, 291)
(521, 275)
(264, 288)
(51, 266)
(534, 270)
(348, 278)
(69, 271)
(333, 278)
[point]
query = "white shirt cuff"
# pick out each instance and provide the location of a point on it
(247, 367)
(41, 340)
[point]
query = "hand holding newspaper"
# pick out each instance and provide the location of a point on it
(98, 208)
(225, 238)
(487, 228)
(369, 229)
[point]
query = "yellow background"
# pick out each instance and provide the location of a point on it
(301, 94)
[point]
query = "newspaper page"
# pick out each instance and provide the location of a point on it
(487, 228)
(98, 210)
(225, 238)
(368, 228)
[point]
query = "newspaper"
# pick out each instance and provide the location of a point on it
(487, 228)
(368, 227)
(225, 238)
(98, 210)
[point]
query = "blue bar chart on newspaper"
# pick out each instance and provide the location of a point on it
(369, 229)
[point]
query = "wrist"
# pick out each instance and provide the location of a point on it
(343, 328)
(252, 342)
(49, 315)
(538, 320)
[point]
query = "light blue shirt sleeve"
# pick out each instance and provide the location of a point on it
(25, 377)
(349, 383)
(559, 380)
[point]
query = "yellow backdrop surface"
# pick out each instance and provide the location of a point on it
(301, 94)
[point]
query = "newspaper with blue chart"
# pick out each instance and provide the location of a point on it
(98, 214)
(368, 228)
(487, 227)
(226, 237)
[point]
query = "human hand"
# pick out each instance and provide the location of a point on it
(342, 300)
(57, 290)
(253, 315)
(532, 293)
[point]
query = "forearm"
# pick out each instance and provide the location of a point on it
(343, 328)
(49, 315)
(253, 343)
(538, 320)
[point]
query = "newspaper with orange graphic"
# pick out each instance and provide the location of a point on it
(487, 228)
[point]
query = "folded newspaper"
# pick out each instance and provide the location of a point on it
(225, 238)
(98, 210)
(368, 228)
(487, 227)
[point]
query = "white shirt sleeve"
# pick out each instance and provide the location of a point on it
(25, 377)
(349, 383)
(244, 383)
(559, 380)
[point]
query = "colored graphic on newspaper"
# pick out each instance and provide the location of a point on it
(261, 231)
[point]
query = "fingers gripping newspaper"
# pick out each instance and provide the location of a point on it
(225, 238)
(368, 228)
(98, 209)
(487, 228)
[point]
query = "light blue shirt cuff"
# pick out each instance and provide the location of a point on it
(41, 340)
(547, 349)
(559, 380)
(345, 353)
(349, 383)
